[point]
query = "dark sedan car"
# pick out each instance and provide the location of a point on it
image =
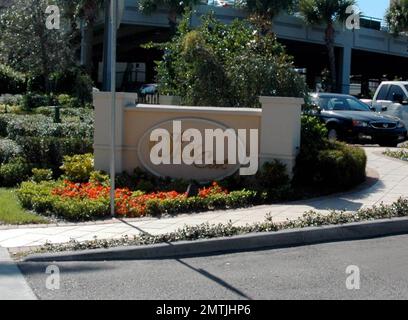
(349, 119)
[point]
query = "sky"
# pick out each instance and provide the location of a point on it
(373, 8)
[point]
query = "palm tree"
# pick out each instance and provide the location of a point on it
(174, 7)
(326, 12)
(262, 12)
(397, 17)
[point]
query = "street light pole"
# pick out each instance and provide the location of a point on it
(113, 36)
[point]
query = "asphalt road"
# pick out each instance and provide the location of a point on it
(312, 272)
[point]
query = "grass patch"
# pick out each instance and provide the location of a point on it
(11, 211)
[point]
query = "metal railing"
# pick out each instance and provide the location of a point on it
(149, 98)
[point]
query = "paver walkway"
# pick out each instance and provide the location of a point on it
(393, 184)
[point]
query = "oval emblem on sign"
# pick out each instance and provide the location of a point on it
(188, 148)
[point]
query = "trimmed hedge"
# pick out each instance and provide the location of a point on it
(15, 126)
(40, 198)
(325, 165)
(50, 151)
(338, 167)
(14, 172)
(9, 149)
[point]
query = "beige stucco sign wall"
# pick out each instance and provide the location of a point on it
(277, 126)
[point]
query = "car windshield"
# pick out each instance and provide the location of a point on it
(406, 87)
(341, 104)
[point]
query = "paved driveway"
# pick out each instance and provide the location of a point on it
(392, 184)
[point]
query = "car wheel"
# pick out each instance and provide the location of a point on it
(333, 134)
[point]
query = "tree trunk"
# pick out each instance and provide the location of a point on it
(329, 39)
(41, 34)
(88, 43)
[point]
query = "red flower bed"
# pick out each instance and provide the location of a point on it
(127, 203)
(210, 191)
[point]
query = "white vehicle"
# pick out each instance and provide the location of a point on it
(391, 98)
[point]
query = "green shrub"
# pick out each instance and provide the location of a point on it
(338, 167)
(313, 134)
(235, 199)
(50, 151)
(45, 111)
(14, 172)
(273, 179)
(78, 168)
(144, 181)
(32, 101)
(9, 149)
(37, 196)
(38, 125)
(80, 210)
(11, 81)
(272, 182)
(74, 82)
(343, 167)
(4, 120)
(99, 178)
(12, 100)
(66, 101)
(327, 165)
(40, 175)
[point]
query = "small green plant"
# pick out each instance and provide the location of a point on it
(99, 177)
(67, 101)
(14, 172)
(78, 168)
(40, 175)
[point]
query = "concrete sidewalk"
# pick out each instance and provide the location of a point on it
(392, 184)
(12, 283)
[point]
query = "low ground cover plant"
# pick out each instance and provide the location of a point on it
(399, 209)
(401, 154)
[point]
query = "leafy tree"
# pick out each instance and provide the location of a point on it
(87, 12)
(397, 16)
(174, 7)
(326, 12)
(225, 65)
(28, 46)
(262, 12)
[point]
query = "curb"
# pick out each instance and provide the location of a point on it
(13, 285)
(258, 241)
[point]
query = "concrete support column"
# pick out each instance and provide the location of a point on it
(345, 70)
(102, 103)
(280, 130)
